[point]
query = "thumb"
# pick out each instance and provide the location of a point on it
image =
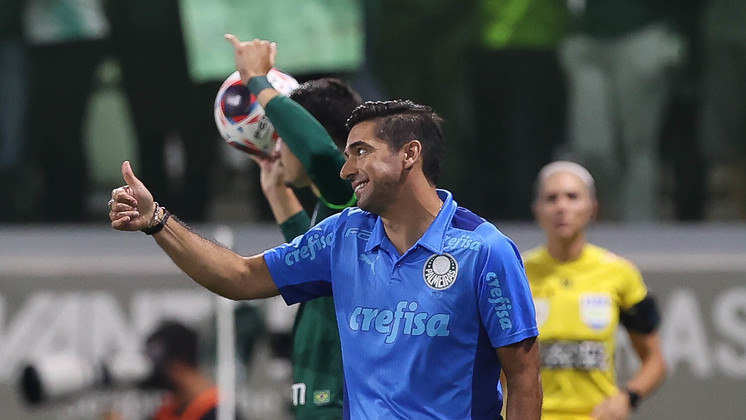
(128, 175)
(233, 40)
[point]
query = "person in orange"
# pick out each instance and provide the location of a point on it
(173, 349)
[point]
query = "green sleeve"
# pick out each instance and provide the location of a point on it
(311, 144)
(296, 225)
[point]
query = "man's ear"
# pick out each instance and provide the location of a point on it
(412, 151)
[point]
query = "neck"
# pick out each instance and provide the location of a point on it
(315, 190)
(406, 221)
(566, 249)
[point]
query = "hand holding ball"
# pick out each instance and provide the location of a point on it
(241, 119)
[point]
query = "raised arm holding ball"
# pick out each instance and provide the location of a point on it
(308, 157)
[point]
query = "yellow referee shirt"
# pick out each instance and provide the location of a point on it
(577, 310)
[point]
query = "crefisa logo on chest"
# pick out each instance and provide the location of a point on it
(440, 271)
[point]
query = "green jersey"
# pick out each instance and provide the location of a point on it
(318, 386)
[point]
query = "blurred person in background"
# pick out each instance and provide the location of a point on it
(308, 155)
(12, 106)
(518, 91)
(165, 103)
(173, 349)
(722, 126)
(680, 147)
(581, 293)
(66, 41)
(618, 65)
(306, 158)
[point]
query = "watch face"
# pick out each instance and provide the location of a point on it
(634, 398)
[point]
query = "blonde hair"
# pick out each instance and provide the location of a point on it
(565, 166)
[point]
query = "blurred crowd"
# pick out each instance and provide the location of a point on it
(643, 93)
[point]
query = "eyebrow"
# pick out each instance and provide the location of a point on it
(352, 146)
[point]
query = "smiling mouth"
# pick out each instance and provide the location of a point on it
(360, 186)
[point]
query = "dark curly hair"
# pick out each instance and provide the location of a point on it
(330, 101)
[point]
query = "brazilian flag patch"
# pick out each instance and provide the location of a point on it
(322, 397)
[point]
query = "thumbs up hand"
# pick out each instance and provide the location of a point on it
(253, 58)
(131, 206)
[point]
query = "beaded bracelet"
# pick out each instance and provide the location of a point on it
(157, 224)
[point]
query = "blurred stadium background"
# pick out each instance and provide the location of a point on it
(86, 289)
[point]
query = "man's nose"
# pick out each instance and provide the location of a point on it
(348, 170)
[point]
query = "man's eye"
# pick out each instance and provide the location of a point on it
(360, 152)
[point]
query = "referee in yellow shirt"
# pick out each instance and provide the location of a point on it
(582, 292)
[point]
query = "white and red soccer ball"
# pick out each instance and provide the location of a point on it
(241, 119)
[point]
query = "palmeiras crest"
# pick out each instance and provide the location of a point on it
(440, 271)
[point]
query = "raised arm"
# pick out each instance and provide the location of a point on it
(301, 132)
(286, 207)
(520, 363)
(213, 266)
(311, 144)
